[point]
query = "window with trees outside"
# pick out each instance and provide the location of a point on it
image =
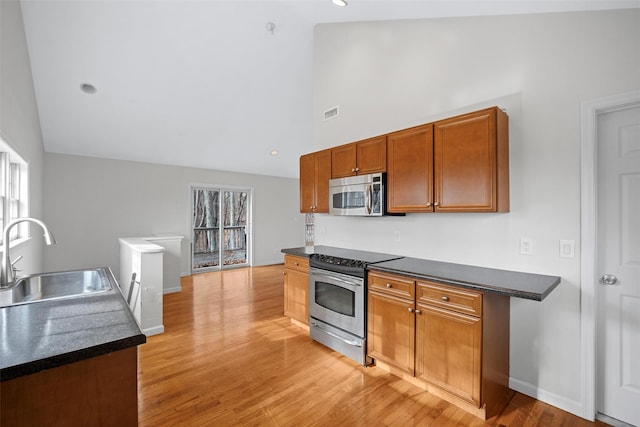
(220, 228)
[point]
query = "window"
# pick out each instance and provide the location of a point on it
(13, 190)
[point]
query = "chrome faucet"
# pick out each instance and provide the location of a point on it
(7, 274)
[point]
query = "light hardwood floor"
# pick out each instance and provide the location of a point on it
(229, 357)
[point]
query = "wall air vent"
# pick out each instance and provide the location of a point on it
(331, 113)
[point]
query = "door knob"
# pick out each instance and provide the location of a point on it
(608, 279)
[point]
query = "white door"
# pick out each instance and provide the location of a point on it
(618, 293)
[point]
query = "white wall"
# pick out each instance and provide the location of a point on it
(387, 76)
(19, 122)
(91, 202)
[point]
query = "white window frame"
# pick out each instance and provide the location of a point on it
(14, 192)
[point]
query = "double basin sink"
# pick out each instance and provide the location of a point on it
(54, 286)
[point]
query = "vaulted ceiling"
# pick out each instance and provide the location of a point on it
(206, 83)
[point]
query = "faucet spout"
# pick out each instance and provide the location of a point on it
(7, 276)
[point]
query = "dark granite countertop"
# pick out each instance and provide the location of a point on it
(512, 283)
(48, 334)
(303, 251)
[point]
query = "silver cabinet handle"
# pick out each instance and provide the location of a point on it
(609, 279)
(416, 311)
(445, 298)
(389, 285)
(436, 204)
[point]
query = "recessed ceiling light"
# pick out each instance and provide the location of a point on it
(340, 3)
(274, 152)
(88, 88)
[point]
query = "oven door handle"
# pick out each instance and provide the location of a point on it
(336, 336)
(337, 279)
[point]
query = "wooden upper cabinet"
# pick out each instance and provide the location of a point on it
(359, 158)
(307, 182)
(315, 172)
(343, 161)
(471, 162)
(410, 170)
(460, 164)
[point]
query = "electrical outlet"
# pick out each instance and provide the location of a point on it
(567, 248)
(396, 235)
(526, 246)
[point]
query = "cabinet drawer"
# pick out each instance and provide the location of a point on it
(450, 297)
(392, 285)
(296, 263)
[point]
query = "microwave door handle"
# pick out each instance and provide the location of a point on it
(369, 198)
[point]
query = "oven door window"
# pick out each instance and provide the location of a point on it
(335, 298)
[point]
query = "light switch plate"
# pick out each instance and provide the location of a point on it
(567, 248)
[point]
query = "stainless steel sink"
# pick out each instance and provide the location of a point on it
(51, 286)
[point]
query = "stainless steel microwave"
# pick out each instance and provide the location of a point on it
(361, 195)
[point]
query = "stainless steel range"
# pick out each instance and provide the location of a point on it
(337, 299)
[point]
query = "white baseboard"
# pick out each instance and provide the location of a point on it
(172, 290)
(154, 330)
(572, 406)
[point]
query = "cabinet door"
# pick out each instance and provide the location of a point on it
(448, 349)
(466, 163)
(343, 161)
(371, 155)
(410, 170)
(391, 330)
(322, 177)
(307, 182)
(296, 295)
(315, 172)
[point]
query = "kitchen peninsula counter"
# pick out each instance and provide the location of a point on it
(48, 334)
(71, 360)
(505, 282)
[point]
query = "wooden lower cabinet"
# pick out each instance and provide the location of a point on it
(452, 342)
(391, 331)
(296, 289)
(448, 346)
(99, 391)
